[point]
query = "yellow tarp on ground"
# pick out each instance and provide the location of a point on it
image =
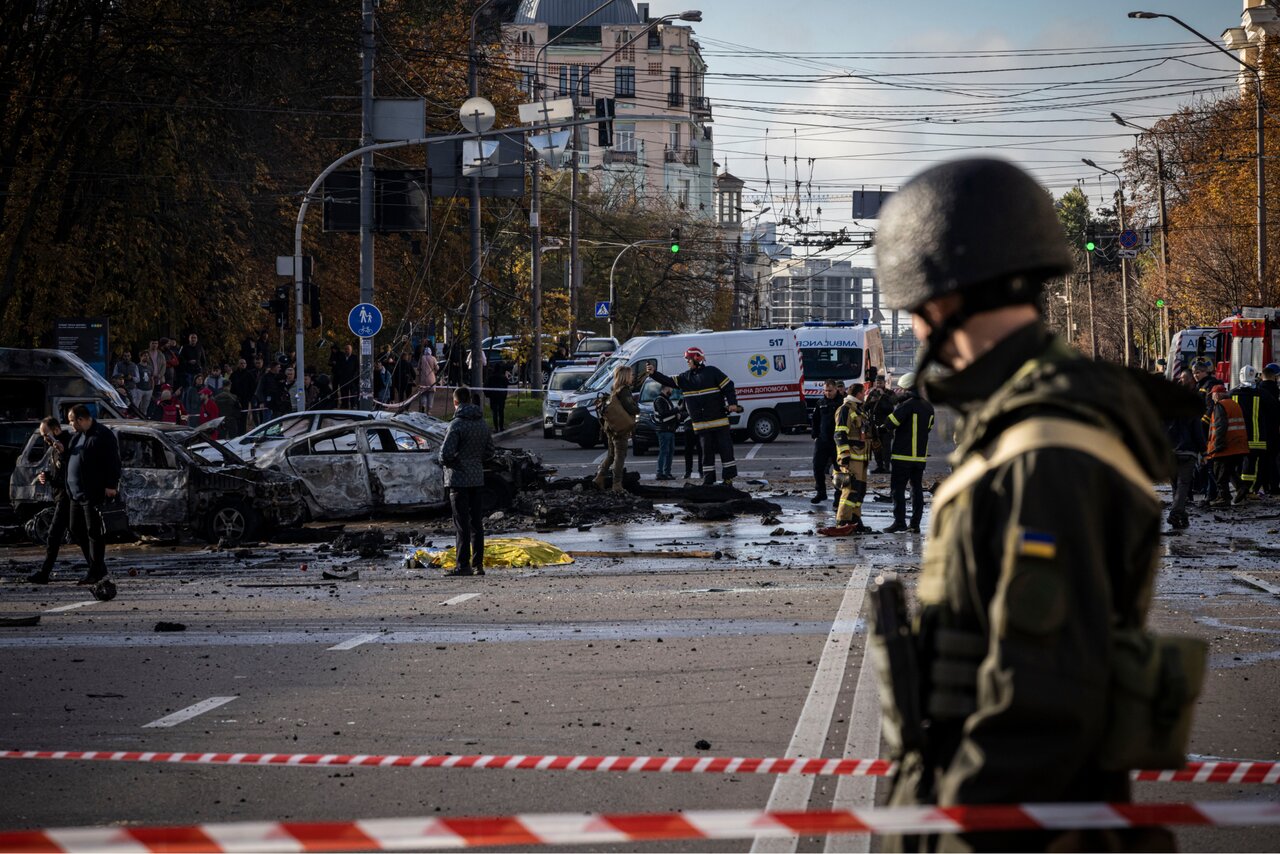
(500, 552)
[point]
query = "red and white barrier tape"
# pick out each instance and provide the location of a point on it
(524, 831)
(1194, 772)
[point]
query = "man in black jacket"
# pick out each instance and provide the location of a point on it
(879, 406)
(54, 475)
(346, 378)
(92, 476)
(710, 397)
(191, 361)
(666, 418)
(1188, 438)
(822, 425)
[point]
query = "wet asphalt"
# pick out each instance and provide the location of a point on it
(758, 653)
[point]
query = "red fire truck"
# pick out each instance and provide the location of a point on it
(1251, 336)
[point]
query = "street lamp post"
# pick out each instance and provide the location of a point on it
(1124, 262)
(575, 263)
(612, 307)
(475, 301)
(1164, 225)
(535, 208)
(1259, 143)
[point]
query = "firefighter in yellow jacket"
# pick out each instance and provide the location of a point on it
(853, 450)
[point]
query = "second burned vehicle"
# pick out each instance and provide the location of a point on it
(384, 466)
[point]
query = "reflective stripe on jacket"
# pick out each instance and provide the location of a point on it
(1250, 402)
(707, 394)
(912, 420)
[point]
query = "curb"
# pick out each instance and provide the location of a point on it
(519, 429)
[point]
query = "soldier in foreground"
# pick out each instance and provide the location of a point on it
(1021, 678)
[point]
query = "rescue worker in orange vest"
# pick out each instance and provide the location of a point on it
(1228, 447)
(853, 450)
(1250, 399)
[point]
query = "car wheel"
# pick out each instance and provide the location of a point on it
(231, 522)
(764, 427)
(496, 494)
(39, 525)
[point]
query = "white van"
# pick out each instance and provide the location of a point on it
(763, 364)
(837, 351)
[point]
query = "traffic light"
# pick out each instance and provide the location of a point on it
(280, 306)
(1160, 303)
(605, 109)
(1089, 245)
(675, 240)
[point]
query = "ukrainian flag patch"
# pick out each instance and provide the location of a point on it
(1037, 544)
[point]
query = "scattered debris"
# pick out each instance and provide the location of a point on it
(366, 544)
(19, 622)
(1257, 582)
(726, 510)
(164, 626)
(702, 744)
(354, 575)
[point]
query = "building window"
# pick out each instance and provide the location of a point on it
(673, 141)
(624, 81)
(526, 80)
(570, 77)
(675, 80)
(685, 190)
(655, 69)
(564, 81)
(655, 39)
(624, 136)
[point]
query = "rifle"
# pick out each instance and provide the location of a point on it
(899, 667)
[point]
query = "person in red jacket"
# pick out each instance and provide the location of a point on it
(1228, 447)
(208, 409)
(171, 411)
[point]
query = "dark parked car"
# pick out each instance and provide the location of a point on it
(171, 484)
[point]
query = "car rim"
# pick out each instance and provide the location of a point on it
(228, 523)
(764, 428)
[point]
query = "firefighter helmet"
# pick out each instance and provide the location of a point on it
(693, 354)
(965, 224)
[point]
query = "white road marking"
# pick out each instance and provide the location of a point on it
(751, 454)
(802, 472)
(189, 712)
(457, 600)
(1257, 582)
(352, 643)
(863, 739)
(72, 606)
(792, 792)
(750, 474)
(598, 460)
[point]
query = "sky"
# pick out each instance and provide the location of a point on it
(838, 95)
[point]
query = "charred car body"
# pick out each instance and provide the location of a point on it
(169, 487)
(387, 466)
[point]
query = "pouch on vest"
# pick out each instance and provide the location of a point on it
(1155, 680)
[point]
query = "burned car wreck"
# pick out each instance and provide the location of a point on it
(387, 466)
(171, 489)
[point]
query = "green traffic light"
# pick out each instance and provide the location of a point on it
(1090, 245)
(1159, 303)
(675, 247)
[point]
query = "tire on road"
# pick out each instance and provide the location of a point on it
(764, 427)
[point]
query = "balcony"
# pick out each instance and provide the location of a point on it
(675, 99)
(683, 156)
(699, 105)
(613, 157)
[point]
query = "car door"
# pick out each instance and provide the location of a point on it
(155, 482)
(331, 464)
(404, 468)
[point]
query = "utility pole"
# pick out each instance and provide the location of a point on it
(1164, 249)
(1124, 285)
(367, 47)
(1093, 325)
(475, 294)
(535, 275)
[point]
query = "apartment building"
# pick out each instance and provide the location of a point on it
(662, 131)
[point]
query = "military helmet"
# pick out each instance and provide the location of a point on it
(967, 223)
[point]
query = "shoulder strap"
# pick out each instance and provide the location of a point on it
(1039, 433)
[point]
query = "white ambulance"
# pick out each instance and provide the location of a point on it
(763, 364)
(837, 351)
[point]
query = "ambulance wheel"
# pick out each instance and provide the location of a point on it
(764, 427)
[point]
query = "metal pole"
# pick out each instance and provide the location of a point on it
(1093, 325)
(367, 47)
(1124, 286)
(535, 274)
(575, 263)
(475, 295)
(1164, 248)
(614, 267)
(1262, 197)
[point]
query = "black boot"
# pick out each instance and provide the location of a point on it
(39, 577)
(819, 498)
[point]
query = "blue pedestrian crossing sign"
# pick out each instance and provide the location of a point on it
(365, 320)
(602, 310)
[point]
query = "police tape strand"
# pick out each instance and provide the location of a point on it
(1223, 771)
(527, 830)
